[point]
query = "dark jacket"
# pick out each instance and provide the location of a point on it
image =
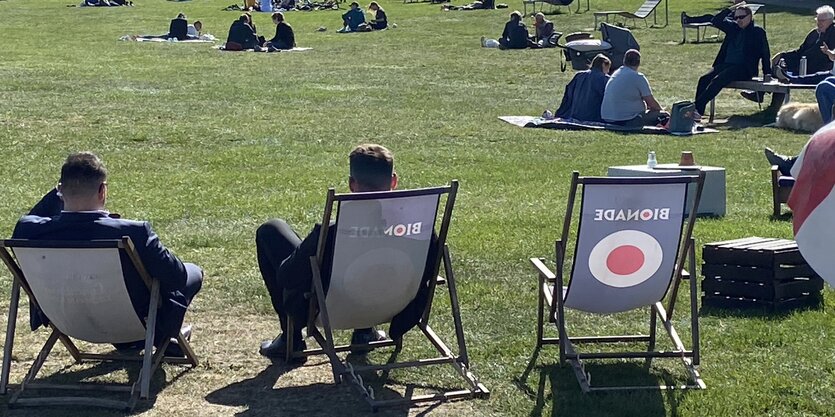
(178, 29)
(816, 61)
(242, 34)
(284, 37)
(755, 43)
(583, 96)
(159, 262)
(515, 35)
(297, 275)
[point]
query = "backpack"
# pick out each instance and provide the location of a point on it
(681, 117)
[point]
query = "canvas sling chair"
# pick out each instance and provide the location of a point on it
(382, 245)
(632, 241)
(80, 287)
(648, 8)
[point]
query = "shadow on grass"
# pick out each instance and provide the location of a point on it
(261, 398)
(69, 375)
(566, 399)
(767, 312)
(781, 217)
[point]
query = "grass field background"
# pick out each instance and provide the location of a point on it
(207, 145)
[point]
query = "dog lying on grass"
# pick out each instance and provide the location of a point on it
(801, 117)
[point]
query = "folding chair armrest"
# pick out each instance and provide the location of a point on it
(542, 269)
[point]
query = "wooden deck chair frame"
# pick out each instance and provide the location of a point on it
(150, 363)
(642, 13)
(460, 361)
(550, 289)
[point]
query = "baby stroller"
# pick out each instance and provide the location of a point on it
(580, 48)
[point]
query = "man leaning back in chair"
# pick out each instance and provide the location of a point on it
(284, 260)
(75, 210)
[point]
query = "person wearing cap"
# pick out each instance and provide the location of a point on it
(515, 34)
(353, 18)
(380, 20)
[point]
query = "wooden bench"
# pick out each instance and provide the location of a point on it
(757, 84)
(702, 27)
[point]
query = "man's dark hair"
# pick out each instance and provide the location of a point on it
(82, 174)
(372, 167)
(632, 58)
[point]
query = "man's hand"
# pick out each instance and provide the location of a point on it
(738, 4)
(827, 52)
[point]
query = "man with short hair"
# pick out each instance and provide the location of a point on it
(814, 48)
(628, 100)
(745, 45)
(284, 259)
(75, 210)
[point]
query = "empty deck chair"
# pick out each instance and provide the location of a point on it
(80, 287)
(632, 244)
(649, 7)
(383, 251)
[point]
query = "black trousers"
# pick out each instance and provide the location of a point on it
(715, 80)
(275, 240)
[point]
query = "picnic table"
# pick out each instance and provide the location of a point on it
(757, 84)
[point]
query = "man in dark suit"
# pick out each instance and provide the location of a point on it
(745, 45)
(284, 260)
(242, 35)
(75, 211)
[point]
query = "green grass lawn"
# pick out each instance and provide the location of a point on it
(208, 145)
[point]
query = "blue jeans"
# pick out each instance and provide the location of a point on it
(825, 93)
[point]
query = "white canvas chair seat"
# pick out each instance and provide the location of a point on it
(382, 249)
(632, 242)
(379, 258)
(76, 289)
(80, 287)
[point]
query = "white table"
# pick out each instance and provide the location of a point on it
(713, 193)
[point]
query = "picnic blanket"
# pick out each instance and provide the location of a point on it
(571, 124)
(296, 49)
(151, 38)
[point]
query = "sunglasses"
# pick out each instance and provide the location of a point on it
(740, 17)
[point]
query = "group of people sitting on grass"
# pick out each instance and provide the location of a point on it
(354, 19)
(243, 35)
(516, 36)
(623, 98)
(744, 48)
(180, 29)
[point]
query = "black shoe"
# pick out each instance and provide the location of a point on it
(277, 348)
(755, 96)
(366, 336)
(783, 162)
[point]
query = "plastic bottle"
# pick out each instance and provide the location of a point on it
(651, 161)
(802, 68)
(547, 115)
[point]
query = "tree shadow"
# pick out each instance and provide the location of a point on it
(261, 397)
(567, 399)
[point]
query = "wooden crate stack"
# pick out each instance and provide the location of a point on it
(758, 272)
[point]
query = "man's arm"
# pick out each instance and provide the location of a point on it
(720, 20)
(567, 97)
(160, 262)
(765, 54)
(652, 105)
(50, 205)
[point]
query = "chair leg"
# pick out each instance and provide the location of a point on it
(150, 326)
(10, 330)
(36, 366)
